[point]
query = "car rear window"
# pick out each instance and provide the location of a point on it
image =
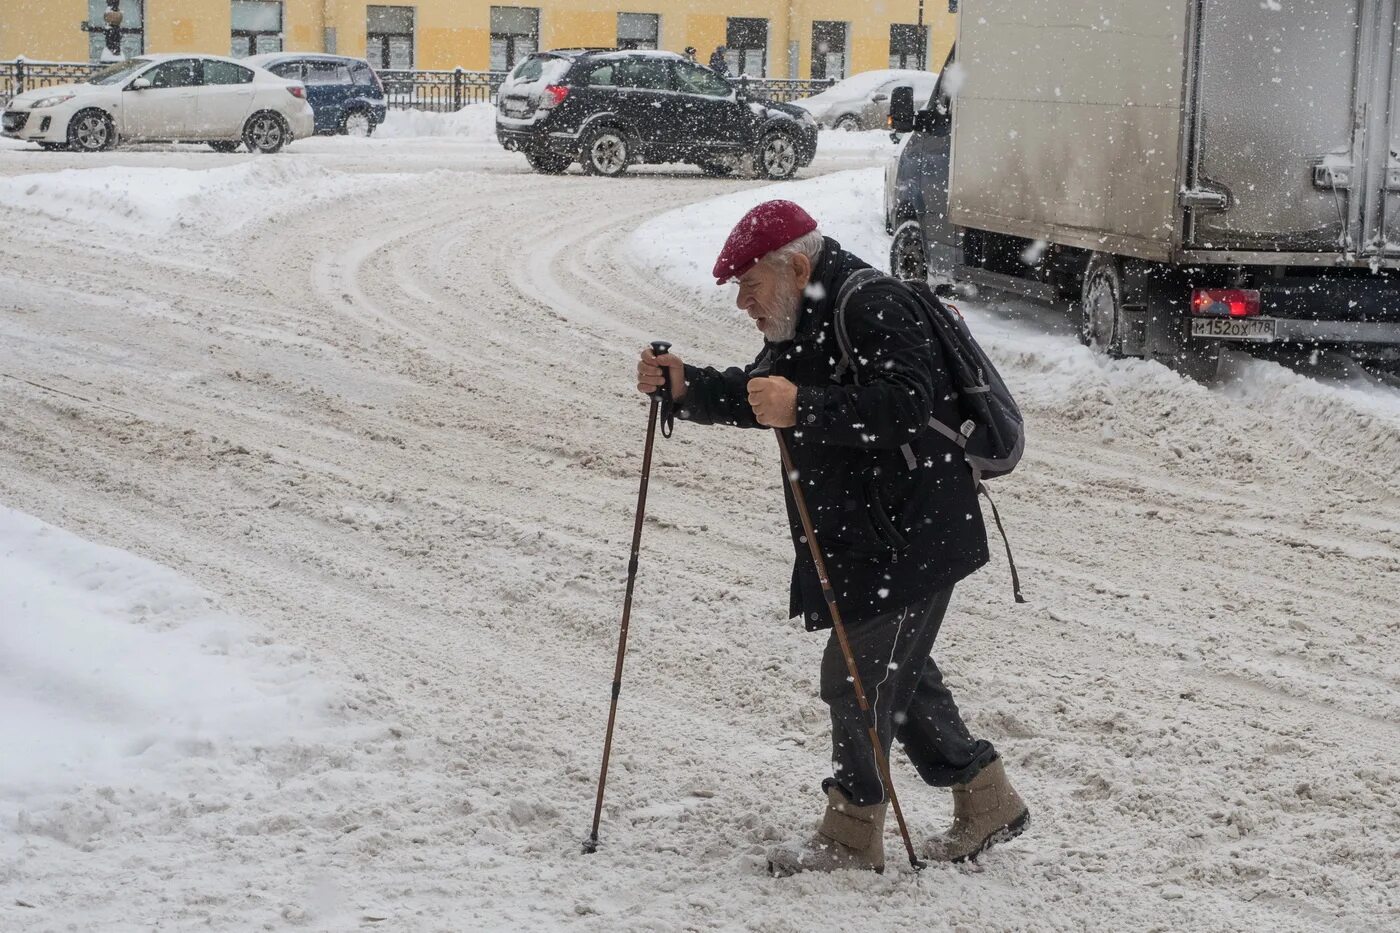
(217, 72)
(530, 69)
(363, 76)
(327, 73)
(539, 70)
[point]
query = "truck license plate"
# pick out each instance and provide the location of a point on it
(1226, 328)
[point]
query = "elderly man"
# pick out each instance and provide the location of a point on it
(895, 538)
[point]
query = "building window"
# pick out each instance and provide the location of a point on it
(257, 27)
(515, 33)
(907, 46)
(746, 42)
(389, 37)
(828, 49)
(133, 29)
(638, 30)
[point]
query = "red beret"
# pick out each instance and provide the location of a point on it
(771, 225)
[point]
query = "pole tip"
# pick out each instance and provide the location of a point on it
(590, 845)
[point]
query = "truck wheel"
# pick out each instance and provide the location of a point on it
(1100, 306)
(908, 259)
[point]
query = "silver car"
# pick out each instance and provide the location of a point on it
(862, 101)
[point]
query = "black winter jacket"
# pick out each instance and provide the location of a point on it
(891, 535)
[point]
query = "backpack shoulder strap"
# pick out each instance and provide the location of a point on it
(852, 284)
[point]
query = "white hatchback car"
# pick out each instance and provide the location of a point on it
(182, 97)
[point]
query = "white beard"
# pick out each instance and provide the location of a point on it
(784, 324)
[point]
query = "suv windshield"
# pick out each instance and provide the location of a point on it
(115, 74)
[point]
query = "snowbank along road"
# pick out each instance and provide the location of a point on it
(375, 397)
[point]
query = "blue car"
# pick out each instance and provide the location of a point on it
(345, 94)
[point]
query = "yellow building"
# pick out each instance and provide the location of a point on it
(767, 38)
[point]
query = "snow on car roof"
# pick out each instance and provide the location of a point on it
(266, 57)
(859, 85)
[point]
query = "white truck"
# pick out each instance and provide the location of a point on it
(1181, 174)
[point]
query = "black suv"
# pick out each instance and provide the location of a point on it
(609, 109)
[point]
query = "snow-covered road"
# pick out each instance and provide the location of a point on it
(382, 408)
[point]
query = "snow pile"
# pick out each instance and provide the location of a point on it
(474, 121)
(680, 246)
(114, 670)
(157, 201)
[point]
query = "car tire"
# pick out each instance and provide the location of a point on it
(549, 163)
(776, 157)
(265, 132)
(1100, 315)
(848, 122)
(91, 130)
(357, 123)
(908, 257)
(716, 169)
(224, 145)
(606, 152)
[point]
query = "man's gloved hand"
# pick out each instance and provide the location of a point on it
(774, 401)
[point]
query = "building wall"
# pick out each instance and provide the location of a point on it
(453, 33)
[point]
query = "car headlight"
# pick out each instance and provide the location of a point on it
(53, 101)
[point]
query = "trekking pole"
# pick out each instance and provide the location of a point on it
(658, 398)
(881, 761)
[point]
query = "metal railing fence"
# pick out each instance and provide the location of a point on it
(440, 91)
(19, 76)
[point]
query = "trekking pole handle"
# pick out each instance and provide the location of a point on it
(663, 391)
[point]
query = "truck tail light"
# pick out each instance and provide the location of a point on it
(1225, 302)
(297, 91)
(554, 95)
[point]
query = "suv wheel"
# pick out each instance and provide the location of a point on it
(606, 152)
(777, 156)
(549, 163)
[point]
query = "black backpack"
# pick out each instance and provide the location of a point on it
(992, 432)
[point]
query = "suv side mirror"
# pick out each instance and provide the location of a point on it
(902, 109)
(140, 84)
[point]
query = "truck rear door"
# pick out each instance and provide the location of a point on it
(1277, 136)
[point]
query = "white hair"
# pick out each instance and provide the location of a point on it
(809, 245)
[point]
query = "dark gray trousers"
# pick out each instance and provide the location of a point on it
(904, 687)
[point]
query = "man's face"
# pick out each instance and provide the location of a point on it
(771, 294)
